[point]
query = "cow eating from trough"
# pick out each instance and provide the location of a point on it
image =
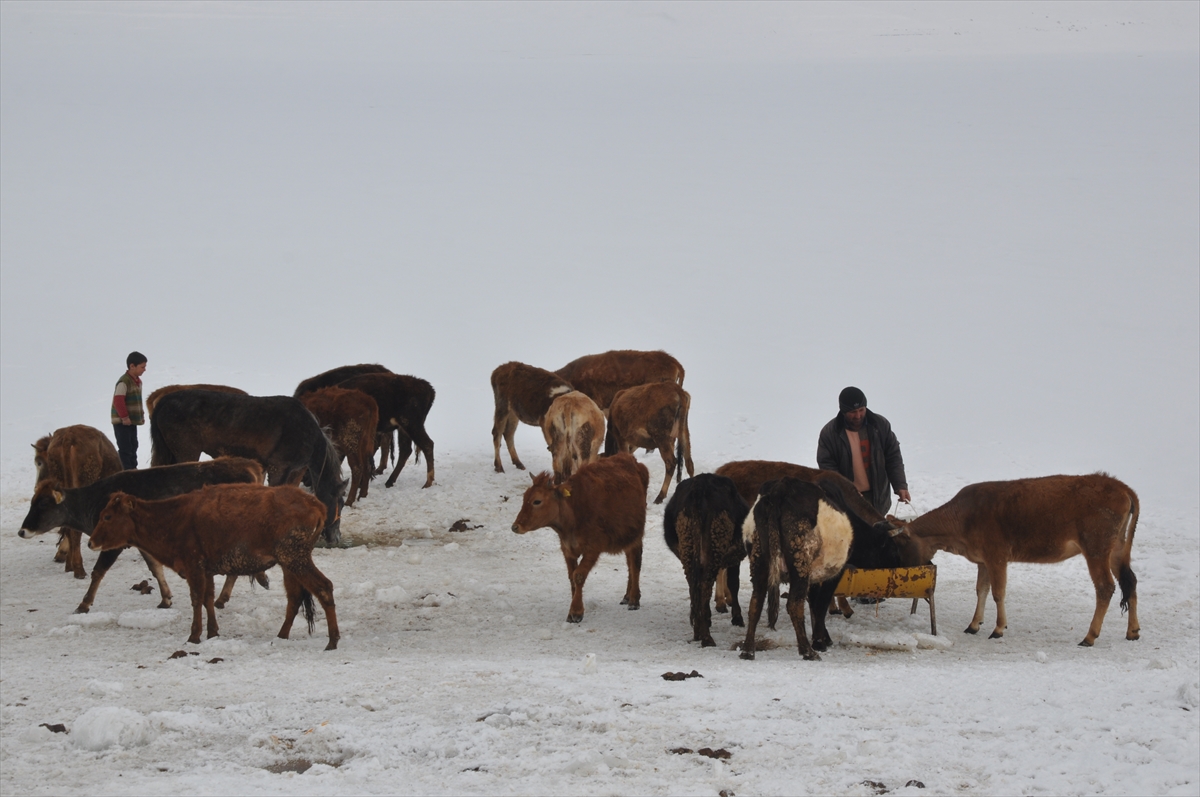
(574, 432)
(276, 431)
(653, 416)
(352, 418)
(404, 403)
(54, 505)
(702, 525)
(600, 509)
(1042, 520)
(235, 529)
(74, 456)
(523, 394)
(602, 376)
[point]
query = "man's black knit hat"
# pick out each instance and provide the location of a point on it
(851, 399)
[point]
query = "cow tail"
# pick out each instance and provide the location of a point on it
(611, 442)
(160, 452)
(306, 603)
(1125, 576)
(683, 443)
(770, 537)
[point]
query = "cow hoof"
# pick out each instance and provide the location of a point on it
(748, 655)
(332, 645)
(498, 468)
(820, 645)
(80, 574)
(624, 600)
(970, 630)
(708, 643)
(81, 609)
(389, 482)
(1134, 636)
(194, 640)
(165, 604)
(574, 618)
(659, 500)
(518, 466)
(219, 604)
(1086, 644)
(633, 607)
(722, 610)
(738, 621)
(995, 635)
(812, 655)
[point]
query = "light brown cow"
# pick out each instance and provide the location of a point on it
(351, 417)
(653, 416)
(602, 376)
(1043, 520)
(74, 456)
(601, 509)
(574, 432)
(236, 529)
(154, 397)
(523, 394)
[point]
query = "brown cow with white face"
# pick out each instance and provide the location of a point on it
(523, 394)
(574, 431)
(74, 456)
(1044, 520)
(600, 509)
(653, 416)
(602, 376)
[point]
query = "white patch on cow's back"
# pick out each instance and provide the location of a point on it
(836, 536)
(560, 390)
(749, 530)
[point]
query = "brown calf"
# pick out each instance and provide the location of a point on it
(154, 397)
(574, 431)
(236, 529)
(74, 456)
(601, 376)
(351, 417)
(653, 416)
(1043, 520)
(600, 509)
(523, 394)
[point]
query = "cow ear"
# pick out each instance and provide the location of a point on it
(533, 478)
(127, 501)
(58, 497)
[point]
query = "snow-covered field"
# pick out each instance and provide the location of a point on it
(982, 214)
(456, 673)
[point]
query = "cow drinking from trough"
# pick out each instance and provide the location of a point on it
(74, 456)
(276, 431)
(600, 509)
(234, 529)
(523, 394)
(1043, 520)
(352, 417)
(702, 525)
(404, 403)
(653, 416)
(574, 431)
(602, 376)
(54, 505)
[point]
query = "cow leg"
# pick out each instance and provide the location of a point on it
(291, 586)
(307, 577)
(704, 610)
(196, 588)
(759, 581)
(843, 608)
(633, 588)
(795, 607)
(693, 580)
(668, 458)
(62, 553)
(209, 607)
(226, 591)
(820, 596)
(103, 563)
(998, 573)
(772, 607)
(75, 560)
(721, 594)
(403, 452)
(1102, 578)
(733, 576)
(982, 585)
(586, 563)
(356, 478)
(425, 444)
(156, 570)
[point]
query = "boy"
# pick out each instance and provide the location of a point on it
(127, 414)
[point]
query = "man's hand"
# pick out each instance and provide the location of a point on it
(125, 421)
(904, 496)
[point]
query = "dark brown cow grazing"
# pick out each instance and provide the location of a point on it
(234, 529)
(404, 403)
(601, 376)
(74, 456)
(601, 509)
(336, 376)
(702, 526)
(352, 417)
(80, 508)
(574, 431)
(1040, 521)
(152, 401)
(653, 416)
(523, 394)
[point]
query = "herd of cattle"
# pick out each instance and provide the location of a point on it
(793, 523)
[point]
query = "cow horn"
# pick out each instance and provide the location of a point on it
(895, 531)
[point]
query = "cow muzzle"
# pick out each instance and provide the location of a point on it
(516, 527)
(27, 533)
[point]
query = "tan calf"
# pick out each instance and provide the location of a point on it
(653, 416)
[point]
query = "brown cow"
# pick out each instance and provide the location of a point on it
(653, 416)
(601, 509)
(574, 431)
(1044, 520)
(351, 417)
(236, 529)
(74, 456)
(523, 394)
(169, 389)
(404, 403)
(601, 376)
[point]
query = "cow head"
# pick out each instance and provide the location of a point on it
(912, 549)
(45, 510)
(115, 526)
(39, 457)
(542, 504)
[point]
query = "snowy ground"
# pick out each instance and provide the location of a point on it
(457, 674)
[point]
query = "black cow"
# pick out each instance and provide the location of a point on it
(53, 506)
(404, 403)
(335, 376)
(703, 528)
(276, 431)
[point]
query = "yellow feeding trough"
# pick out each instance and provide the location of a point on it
(900, 582)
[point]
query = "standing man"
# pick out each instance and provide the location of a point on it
(860, 445)
(127, 414)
